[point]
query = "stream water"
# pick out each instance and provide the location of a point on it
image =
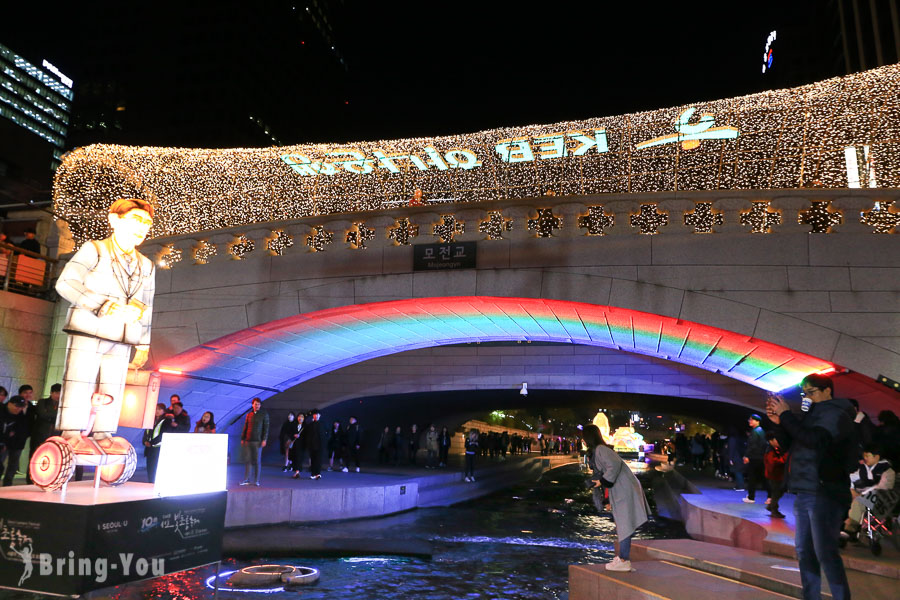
(516, 543)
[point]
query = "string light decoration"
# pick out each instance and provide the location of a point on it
(703, 217)
(882, 219)
(403, 232)
(241, 247)
(359, 235)
(279, 242)
(791, 138)
(203, 251)
(545, 223)
(318, 240)
(448, 228)
(648, 220)
(596, 220)
(494, 226)
(169, 256)
(759, 218)
(820, 217)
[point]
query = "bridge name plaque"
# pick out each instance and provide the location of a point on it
(439, 257)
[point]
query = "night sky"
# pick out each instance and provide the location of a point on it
(193, 76)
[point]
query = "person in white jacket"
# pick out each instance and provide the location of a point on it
(875, 476)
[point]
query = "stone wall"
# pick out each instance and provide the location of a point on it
(25, 328)
(834, 296)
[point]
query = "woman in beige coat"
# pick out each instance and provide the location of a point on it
(626, 497)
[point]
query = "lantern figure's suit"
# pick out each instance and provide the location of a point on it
(96, 276)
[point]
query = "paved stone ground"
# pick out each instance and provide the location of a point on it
(718, 496)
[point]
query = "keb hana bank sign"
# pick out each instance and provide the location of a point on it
(822, 135)
(521, 149)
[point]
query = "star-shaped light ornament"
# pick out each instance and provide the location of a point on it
(318, 240)
(359, 235)
(545, 223)
(241, 247)
(279, 242)
(881, 218)
(596, 220)
(494, 226)
(403, 232)
(169, 256)
(203, 251)
(759, 218)
(448, 228)
(703, 218)
(820, 217)
(648, 220)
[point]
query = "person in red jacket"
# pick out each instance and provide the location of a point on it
(774, 461)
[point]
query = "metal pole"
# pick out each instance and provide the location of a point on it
(878, 53)
(859, 40)
(895, 24)
(216, 581)
(846, 48)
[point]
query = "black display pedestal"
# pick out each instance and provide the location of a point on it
(87, 539)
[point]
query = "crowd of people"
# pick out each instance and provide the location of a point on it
(398, 446)
(24, 419)
(303, 445)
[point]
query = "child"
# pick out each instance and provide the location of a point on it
(874, 476)
(774, 461)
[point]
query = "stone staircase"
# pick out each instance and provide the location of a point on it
(692, 570)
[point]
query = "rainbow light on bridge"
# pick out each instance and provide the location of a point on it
(283, 353)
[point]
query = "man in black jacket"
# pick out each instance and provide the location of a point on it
(754, 467)
(314, 444)
(14, 431)
(177, 419)
(354, 443)
(819, 445)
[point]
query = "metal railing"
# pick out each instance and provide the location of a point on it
(25, 272)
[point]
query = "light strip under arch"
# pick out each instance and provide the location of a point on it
(282, 353)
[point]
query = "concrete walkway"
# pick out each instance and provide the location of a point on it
(374, 492)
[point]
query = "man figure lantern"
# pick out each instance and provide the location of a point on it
(110, 287)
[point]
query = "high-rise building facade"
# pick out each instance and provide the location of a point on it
(36, 98)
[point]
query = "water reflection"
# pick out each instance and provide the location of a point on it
(517, 543)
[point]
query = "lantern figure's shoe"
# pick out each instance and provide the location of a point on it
(54, 461)
(52, 464)
(120, 471)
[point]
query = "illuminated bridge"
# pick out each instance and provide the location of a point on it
(702, 254)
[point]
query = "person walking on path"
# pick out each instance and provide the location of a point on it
(444, 446)
(754, 469)
(253, 439)
(285, 437)
(626, 498)
(399, 445)
(413, 443)
(819, 475)
(774, 461)
(298, 445)
(354, 443)
(336, 444)
(314, 445)
(471, 449)
(385, 443)
(431, 446)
